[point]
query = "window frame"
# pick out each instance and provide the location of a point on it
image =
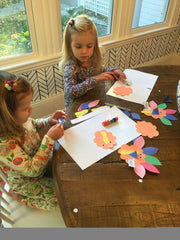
(46, 37)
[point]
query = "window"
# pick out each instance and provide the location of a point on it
(99, 10)
(14, 30)
(148, 12)
(31, 35)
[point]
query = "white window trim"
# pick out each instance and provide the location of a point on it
(45, 30)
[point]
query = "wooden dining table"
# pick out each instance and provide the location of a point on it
(109, 193)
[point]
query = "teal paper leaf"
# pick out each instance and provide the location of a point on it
(153, 160)
(166, 121)
(162, 105)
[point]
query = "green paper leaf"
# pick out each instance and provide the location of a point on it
(162, 105)
(166, 121)
(152, 160)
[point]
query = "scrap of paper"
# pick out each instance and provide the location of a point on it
(104, 139)
(167, 100)
(89, 104)
(142, 85)
(160, 112)
(135, 116)
(78, 140)
(140, 159)
(123, 91)
(89, 115)
(86, 107)
(147, 129)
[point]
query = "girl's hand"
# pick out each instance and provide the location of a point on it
(120, 74)
(58, 114)
(105, 76)
(56, 131)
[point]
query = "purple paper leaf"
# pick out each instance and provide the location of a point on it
(85, 105)
(170, 117)
(136, 116)
(126, 112)
(150, 150)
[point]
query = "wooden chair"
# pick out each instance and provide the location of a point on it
(15, 215)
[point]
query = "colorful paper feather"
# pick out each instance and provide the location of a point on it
(160, 111)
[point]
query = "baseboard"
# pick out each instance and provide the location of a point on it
(46, 107)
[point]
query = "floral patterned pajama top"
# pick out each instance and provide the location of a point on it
(78, 83)
(24, 160)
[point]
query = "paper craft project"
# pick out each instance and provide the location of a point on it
(104, 139)
(142, 85)
(147, 129)
(78, 140)
(84, 108)
(160, 111)
(123, 91)
(139, 158)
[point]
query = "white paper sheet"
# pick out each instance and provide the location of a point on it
(142, 85)
(78, 140)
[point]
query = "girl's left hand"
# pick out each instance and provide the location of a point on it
(58, 114)
(120, 74)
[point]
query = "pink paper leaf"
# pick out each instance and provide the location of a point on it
(170, 111)
(140, 170)
(79, 108)
(139, 142)
(93, 103)
(152, 104)
(150, 167)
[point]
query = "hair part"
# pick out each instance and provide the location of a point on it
(81, 24)
(9, 102)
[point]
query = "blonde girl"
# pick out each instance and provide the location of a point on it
(82, 59)
(23, 156)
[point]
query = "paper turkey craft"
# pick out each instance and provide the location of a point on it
(140, 158)
(160, 111)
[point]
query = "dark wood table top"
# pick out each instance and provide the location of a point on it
(108, 193)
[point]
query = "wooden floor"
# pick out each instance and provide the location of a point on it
(108, 194)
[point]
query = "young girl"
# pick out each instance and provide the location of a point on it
(82, 59)
(23, 156)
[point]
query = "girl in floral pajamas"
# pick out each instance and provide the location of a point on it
(82, 59)
(23, 155)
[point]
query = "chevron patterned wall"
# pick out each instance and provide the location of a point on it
(48, 81)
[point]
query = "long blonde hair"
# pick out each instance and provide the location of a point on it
(9, 103)
(80, 24)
